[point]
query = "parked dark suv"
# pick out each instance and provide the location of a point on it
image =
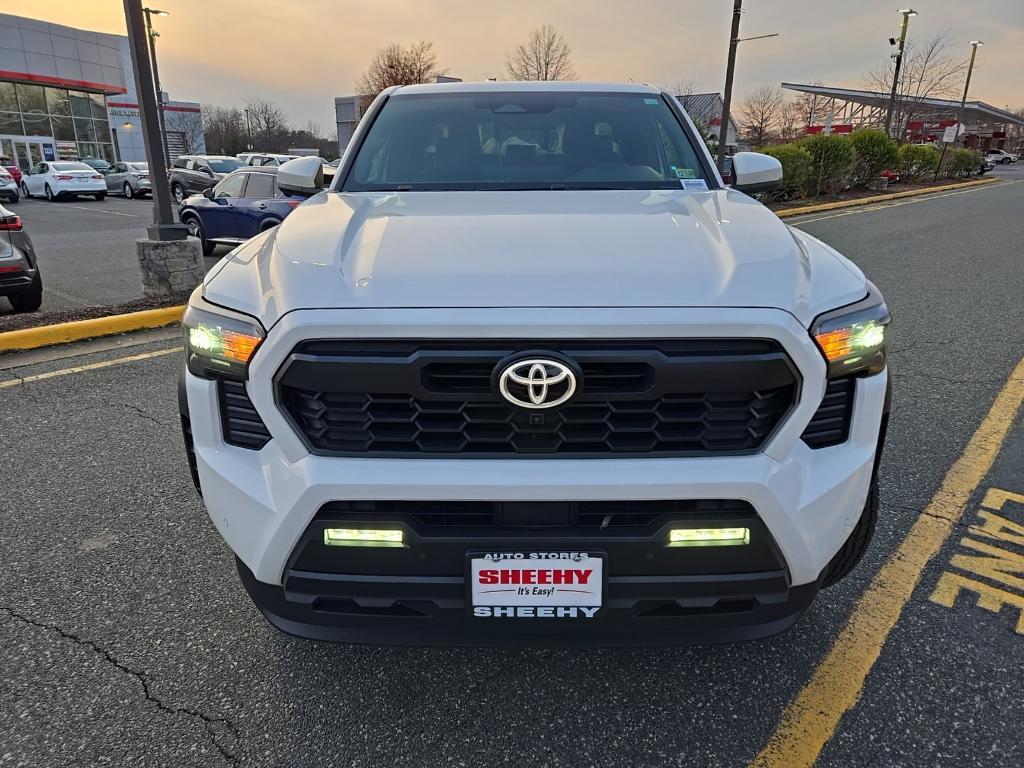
(194, 173)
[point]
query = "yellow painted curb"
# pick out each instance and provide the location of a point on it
(881, 198)
(61, 333)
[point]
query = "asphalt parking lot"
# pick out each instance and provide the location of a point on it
(87, 249)
(128, 639)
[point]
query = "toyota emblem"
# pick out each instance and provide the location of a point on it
(537, 383)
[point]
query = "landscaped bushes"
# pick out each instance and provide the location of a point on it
(832, 158)
(819, 164)
(918, 160)
(874, 151)
(797, 165)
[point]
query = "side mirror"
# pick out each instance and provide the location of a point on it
(301, 176)
(754, 172)
(208, 193)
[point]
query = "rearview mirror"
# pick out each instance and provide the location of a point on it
(754, 172)
(301, 176)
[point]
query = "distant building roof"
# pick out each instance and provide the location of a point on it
(976, 110)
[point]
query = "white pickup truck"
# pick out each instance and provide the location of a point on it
(529, 373)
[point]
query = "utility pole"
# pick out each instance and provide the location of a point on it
(163, 227)
(960, 109)
(907, 13)
(151, 36)
(734, 40)
(248, 130)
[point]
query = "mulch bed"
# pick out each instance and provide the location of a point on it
(16, 322)
(855, 195)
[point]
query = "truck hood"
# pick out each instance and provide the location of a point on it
(621, 248)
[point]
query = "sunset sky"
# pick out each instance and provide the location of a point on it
(302, 53)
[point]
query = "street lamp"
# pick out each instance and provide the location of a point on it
(734, 40)
(152, 35)
(907, 13)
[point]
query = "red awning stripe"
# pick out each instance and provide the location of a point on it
(64, 82)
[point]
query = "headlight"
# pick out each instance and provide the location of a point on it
(853, 338)
(218, 342)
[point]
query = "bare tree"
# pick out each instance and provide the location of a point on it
(930, 71)
(759, 112)
(189, 125)
(398, 65)
(684, 91)
(268, 124)
(790, 121)
(224, 128)
(811, 107)
(544, 56)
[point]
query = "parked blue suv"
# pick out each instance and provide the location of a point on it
(241, 205)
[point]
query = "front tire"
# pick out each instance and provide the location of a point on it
(30, 299)
(179, 193)
(853, 550)
(195, 229)
(128, 191)
(24, 191)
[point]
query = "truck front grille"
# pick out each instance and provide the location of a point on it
(661, 397)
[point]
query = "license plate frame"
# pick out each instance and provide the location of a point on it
(568, 599)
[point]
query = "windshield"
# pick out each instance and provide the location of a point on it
(138, 166)
(71, 167)
(525, 140)
(225, 166)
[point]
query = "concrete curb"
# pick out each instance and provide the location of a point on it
(786, 212)
(62, 333)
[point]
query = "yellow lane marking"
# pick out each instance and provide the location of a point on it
(785, 212)
(89, 367)
(47, 335)
(835, 686)
(898, 203)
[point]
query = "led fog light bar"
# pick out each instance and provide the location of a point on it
(708, 537)
(362, 537)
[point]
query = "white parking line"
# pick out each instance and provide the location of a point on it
(89, 367)
(898, 203)
(99, 210)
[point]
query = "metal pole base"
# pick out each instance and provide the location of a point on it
(167, 232)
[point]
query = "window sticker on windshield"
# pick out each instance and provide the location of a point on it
(695, 184)
(684, 173)
(650, 101)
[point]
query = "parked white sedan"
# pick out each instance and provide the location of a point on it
(63, 178)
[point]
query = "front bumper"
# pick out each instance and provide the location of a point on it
(263, 502)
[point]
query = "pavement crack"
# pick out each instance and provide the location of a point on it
(212, 725)
(141, 413)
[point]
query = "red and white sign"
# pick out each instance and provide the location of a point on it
(536, 584)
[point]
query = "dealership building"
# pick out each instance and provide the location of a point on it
(67, 93)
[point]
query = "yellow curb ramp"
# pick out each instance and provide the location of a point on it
(62, 333)
(786, 212)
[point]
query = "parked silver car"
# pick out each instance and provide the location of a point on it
(20, 281)
(129, 179)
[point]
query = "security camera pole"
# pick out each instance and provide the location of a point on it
(907, 13)
(164, 227)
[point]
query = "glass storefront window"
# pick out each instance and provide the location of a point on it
(10, 122)
(106, 152)
(32, 98)
(102, 130)
(81, 106)
(7, 150)
(63, 128)
(99, 106)
(85, 130)
(8, 98)
(36, 123)
(57, 102)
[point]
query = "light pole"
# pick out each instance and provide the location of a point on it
(907, 13)
(152, 35)
(730, 69)
(248, 130)
(975, 44)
